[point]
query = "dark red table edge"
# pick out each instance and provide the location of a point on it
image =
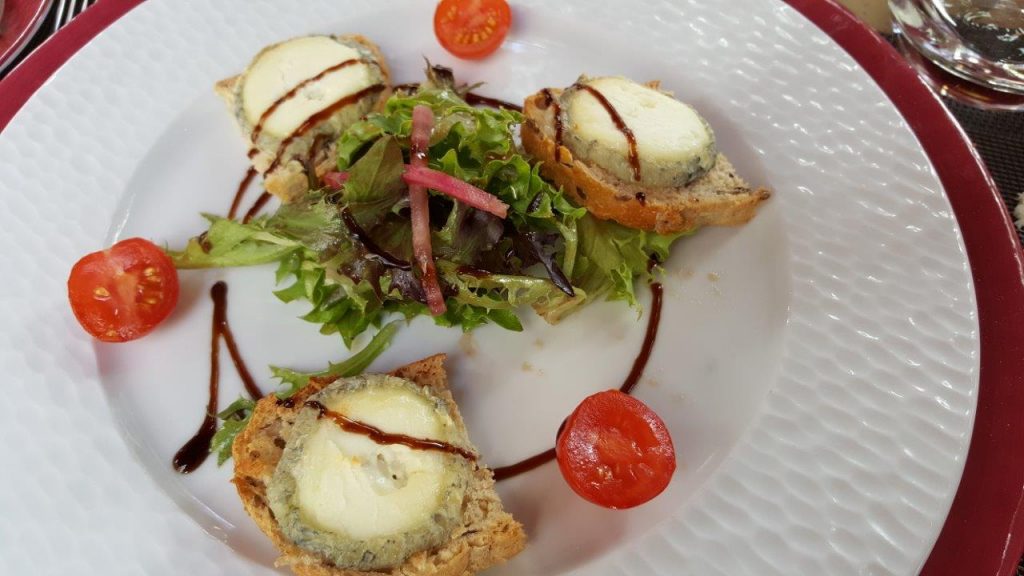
(984, 534)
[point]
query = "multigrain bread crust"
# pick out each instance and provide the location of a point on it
(489, 535)
(718, 198)
(289, 181)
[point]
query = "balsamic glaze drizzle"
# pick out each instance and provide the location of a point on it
(523, 466)
(381, 437)
(471, 98)
(535, 461)
(194, 452)
(474, 99)
(551, 101)
(240, 192)
(640, 362)
(634, 155)
(319, 117)
(256, 207)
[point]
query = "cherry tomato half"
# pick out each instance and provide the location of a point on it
(472, 28)
(123, 292)
(615, 451)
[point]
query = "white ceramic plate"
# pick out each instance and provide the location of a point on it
(817, 367)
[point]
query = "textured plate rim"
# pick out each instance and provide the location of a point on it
(984, 531)
(827, 16)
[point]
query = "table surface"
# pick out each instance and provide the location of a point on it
(997, 135)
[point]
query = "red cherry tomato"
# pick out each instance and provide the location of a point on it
(472, 28)
(615, 451)
(123, 292)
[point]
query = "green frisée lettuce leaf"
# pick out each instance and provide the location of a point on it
(476, 134)
(611, 258)
(229, 244)
(339, 304)
(507, 292)
(233, 420)
(312, 222)
(293, 380)
(469, 317)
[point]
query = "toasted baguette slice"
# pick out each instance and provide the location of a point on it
(289, 180)
(489, 536)
(718, 198)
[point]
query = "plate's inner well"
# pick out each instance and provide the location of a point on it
(716, 356)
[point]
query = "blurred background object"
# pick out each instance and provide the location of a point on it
(66, 10)
(19, 22)
(979, 40)
(993, 119)
(875, 12)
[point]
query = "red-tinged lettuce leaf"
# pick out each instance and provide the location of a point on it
(375, 184)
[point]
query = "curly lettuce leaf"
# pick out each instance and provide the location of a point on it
(228, 243)
(474, 133)
(612, 258)
(310, 224)
(313, 222)
(233, 419)
(470, 317)
(338, 303)
(495, 297)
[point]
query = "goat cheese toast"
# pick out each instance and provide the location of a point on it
(342, 503)
(296, 97)
(631, 153)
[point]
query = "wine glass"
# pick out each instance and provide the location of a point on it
(978, 40)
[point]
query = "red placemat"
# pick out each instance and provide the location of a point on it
(984, 534)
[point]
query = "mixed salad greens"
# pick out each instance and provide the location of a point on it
(347, 246)
(347, 249)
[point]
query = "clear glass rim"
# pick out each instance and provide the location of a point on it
(934, 37)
